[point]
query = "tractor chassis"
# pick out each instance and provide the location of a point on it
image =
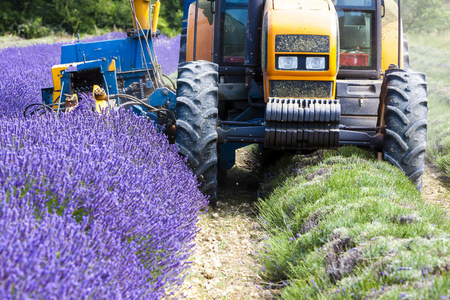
(357, 101)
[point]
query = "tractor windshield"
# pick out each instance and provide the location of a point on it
(355, 29)
(356, 24)
(234, 28)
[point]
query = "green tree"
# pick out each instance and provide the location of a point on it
(84, 16)
(171, 17)
(34, 18)
(424, 16)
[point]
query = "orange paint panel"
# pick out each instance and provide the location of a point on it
(204, 34)
(312, 23)
(303, 4)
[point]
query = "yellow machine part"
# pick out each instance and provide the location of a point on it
(100, 97)
(389, 48)
(156, 8)
(99, 94)
(71, 102)
(112, 66)
(204, 32)
(142, 10)
(312, 17)
(56, 77)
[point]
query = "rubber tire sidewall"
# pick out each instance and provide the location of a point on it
(197, 114)
(406, 122)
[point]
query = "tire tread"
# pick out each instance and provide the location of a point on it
(406, 122)
(197, 98)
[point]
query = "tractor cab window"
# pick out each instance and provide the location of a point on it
(356, 24)
(355, 3)
(234, 28)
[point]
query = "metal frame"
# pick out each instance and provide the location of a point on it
(126, 68)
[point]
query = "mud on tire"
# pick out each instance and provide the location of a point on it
(197, 99)
(406, 122)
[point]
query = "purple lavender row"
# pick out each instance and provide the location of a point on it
(24, 71)
(115, 169)
(167, 51)
(135, 199)
(54, 257)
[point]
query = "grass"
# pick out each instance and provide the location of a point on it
(430, 54)
(11, 40)
(353, 227)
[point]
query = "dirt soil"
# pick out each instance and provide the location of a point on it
(436, 187)
(223, 266)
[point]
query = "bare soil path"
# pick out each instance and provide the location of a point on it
(436, 187)
(223, 266)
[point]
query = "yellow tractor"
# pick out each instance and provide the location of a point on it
(297, 75)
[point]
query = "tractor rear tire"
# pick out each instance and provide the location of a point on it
(406, 122)
(197, 100)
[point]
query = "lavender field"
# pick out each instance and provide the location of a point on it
(91, 206)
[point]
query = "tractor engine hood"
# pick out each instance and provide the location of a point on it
(300, 49)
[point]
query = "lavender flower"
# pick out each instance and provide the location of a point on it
(90, 206)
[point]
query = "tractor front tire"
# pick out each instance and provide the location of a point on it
(197, 100)
(406, 122)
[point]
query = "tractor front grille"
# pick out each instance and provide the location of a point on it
(301, 89)
(302, 43)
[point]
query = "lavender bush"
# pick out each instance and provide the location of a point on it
(53, 258)
(352, 227)
(167, 52)
(90, 203)
(24, 72)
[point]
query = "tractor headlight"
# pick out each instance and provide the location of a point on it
(315, 63)
(288, 62)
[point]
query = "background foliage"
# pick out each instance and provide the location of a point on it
(37, 18)
(33, 19)
(424, 16)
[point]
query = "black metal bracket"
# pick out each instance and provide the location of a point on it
(213, 11)
(245, 134)
(361, 139)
